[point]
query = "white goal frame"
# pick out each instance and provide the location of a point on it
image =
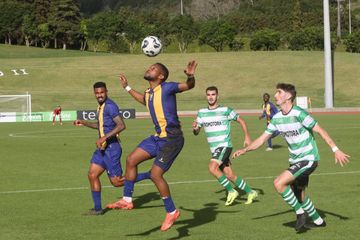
(27, 113)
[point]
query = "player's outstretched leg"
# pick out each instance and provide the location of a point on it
(126, 201)
(232, 193)
(143, 176)
(252, 194)
(309, 207)
(214, 169)
(289, 197)
(137, 156)
(269, 148)
(171, 214)
(94, 178)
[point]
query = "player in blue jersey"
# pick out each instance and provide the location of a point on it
(268, 111)
(166, 144)
(108, 153)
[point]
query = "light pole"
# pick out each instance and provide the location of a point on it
(349, 16)
(329, 97)
(181, 7)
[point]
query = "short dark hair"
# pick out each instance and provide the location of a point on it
(266, 94)
(212, 88)
(164, 70)
(287, 88)
(99, 85)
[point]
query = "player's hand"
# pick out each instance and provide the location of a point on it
(341, 158)
(239, 152)
(78, 122)
(123, 80)
(190, 68)
(195, 125)
(100, 142)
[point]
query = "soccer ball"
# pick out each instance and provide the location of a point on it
(151, 46)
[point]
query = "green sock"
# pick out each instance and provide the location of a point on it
(240, 183)
(225, 183)
(308, 206)
(289, 197)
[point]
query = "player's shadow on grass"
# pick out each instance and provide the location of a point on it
(144, 199)
(291, 224)
(277, 146)
(201, 216)
(242, 194)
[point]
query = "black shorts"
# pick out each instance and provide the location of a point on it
(222, 156)
(301, 172)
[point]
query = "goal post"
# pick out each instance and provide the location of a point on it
(13, 106)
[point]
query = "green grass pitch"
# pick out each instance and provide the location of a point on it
(44, 188)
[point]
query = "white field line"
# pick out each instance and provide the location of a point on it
(170, 183)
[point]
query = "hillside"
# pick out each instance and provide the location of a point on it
(242, 77)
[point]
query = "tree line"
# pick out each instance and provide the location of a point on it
(119, 26)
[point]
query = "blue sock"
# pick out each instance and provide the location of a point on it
(96, 196)
(128, 188)
(143, 176)
(269, 143)
(169, 204)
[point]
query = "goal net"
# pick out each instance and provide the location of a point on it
(14, 106)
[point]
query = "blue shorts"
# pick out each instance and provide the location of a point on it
(109, 159)
(165, 150)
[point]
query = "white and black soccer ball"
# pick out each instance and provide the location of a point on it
(151, 46)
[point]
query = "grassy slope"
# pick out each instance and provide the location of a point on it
(66, 77)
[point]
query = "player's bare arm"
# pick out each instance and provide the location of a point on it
(135, 94)
(253, 146)
(120, 126)
(189, 71)
(247, 140)
(92, 125)
(340, 157)
(196, 128)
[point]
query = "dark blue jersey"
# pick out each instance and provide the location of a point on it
(106, 112)
(161, 103)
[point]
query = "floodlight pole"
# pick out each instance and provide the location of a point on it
(329, 98)
(181, 7)
(349, 16)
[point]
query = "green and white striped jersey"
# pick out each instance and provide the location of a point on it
(296, 128)
(217, 125)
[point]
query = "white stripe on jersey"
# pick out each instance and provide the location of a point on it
(217, 138)
(217, 125)
(216, 129)
(294, 127)
(309, 157)
(302, 149)
(307, 121)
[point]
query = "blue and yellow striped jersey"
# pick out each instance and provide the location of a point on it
(269, 110)
(106, 112)
(161, 103)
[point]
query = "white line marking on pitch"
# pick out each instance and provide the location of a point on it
(170, 183)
